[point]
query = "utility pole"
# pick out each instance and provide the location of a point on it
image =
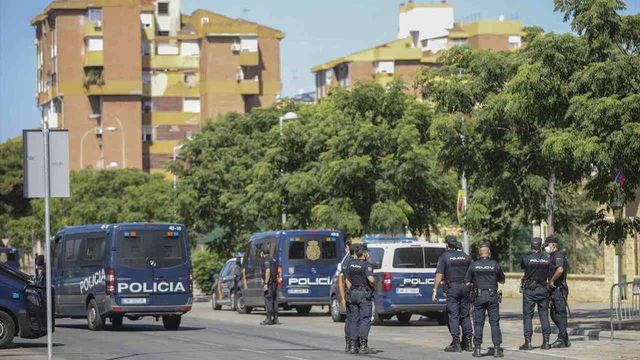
(47, 234)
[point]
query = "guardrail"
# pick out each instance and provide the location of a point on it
(627, 303)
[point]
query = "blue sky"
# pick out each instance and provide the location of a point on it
(316, 31)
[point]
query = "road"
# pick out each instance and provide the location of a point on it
(208, 334)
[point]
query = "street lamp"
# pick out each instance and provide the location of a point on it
(175, 157)
(286, 117)
(124, 158)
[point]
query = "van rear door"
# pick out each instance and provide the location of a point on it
(413, 274)
(152, 267)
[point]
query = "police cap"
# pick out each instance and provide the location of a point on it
(354, 247)
(536, 241)
(550, 240)
(484, 244)
(451, 240)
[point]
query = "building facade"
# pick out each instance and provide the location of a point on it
(423, 31)
(130, 79)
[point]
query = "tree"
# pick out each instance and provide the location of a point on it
(12, 202)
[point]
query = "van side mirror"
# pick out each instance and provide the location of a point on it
(40, 261)
(238, 261)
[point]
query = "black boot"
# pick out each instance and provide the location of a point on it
(560, 343)
(454, 346)
(267, 321)
(275, 320)
(476, 351)
(467, 344)
(347, 346)
(527, 344)
(497, 351)
(354, 346)
(545, 343)
(364, 347)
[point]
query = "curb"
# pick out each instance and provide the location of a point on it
(587, 333)
(200, 299)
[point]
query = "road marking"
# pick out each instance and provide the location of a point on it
(254, 351)
(294, 357)
(212, 344)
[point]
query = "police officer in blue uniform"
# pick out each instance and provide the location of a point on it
(558, 269)
(485, 274)
(350, 249)
(452, 267)
(360, 281)
(270, 289)
(535, 292)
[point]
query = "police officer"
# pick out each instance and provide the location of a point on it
(485, 274)
(350, 250)
(558, 269)
(359, 279)
(534, 292)
(269, 272)
(452, 266)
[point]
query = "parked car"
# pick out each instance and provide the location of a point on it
(226, 285)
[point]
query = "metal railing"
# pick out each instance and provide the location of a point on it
(624, 303)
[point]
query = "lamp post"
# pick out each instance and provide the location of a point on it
(617, 207)
(286, 117)
(124, 157)
(175, 157)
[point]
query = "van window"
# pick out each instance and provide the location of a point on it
(93, 251)
(431, 256)
(376, 255)
(148, 245)
(410, 258)
(312, 247)
(7, 257)
(72, 250)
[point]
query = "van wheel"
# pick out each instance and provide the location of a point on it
(404, 318)
(443, 319)
(232, 298)
(303, 310)
(171, 322)
(214, 302)
(7, 329)
(335, 310)
(116, 321)
(241, 308)
(94, 319)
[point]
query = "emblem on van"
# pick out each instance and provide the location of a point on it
(313, 250)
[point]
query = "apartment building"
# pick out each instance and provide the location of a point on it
(423, 31)
(130, 79)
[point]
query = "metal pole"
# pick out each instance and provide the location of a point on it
(284, 214)
(463, 183)
(175, 181)
(47, 232)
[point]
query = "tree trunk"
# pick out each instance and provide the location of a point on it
(551, 202)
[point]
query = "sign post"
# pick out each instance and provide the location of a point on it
(46, 152)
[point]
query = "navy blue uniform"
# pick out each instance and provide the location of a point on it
(486, 273)
(453, 265)
(360, 298)
(347, 322)
(534, 292)
(560, 293)
(271, 295)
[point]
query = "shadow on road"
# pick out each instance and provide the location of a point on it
(29, 345)
(132, 328)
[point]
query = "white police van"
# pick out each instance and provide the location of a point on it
(405, 274)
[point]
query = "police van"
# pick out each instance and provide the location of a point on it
(404, 270)
(10, 257)
(306, 260)
(122, 270)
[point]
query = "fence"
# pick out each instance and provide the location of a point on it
(627, 303)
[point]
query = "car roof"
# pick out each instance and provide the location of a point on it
(415, 244)
(294, 232)
(106, 227)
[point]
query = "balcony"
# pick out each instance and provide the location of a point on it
(115, 88)
(249, 87)
(171, 62)
(92, 29)
(170, 118)
(383, 78)
(94, 58)
(249, 58)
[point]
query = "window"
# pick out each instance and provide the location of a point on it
(191, 105)
(163, 33)
(312, 248)
(95, 15)
(515, 42)
(146, 20)
(408, 258)
(190, 79)
(204, 20)
(167, 49)
(458, 42)
(147, 133)
(163, 8)
(72, 249)
(94, 44)
(93, 251)
(376, 255)
(249, 44)
(148, 245)
(146, 47)
(384, 67)
(431, 256)
(189, 48)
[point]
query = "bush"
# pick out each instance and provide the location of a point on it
(205, 265)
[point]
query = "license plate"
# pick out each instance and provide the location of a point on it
(134, 301)
(407, 291)
(298, 291)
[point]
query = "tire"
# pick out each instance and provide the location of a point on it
(241, 308)
(95, 321)
(214, 302)
(171, 322)
(303, 309)
(116, 321)
(376, 319)
(442, 318)
(404, 318)
(7, 329)
(334, 310)
(233, 300)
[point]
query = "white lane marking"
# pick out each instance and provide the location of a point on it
(294, 357)
(254, 351)
(212, 344)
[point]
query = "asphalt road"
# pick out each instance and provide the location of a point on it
(207, 334)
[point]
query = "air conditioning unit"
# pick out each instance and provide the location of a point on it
(98, 131)
(235, 47)
(239, 76)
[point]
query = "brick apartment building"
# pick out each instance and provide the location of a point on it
(130, 79)
(423, 31)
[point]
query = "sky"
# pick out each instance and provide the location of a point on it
(315, 31)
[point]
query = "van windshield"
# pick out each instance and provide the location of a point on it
(313, 247)
(139, 249)
(416, 257)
